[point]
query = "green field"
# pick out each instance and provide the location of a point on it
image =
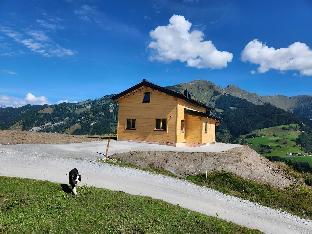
(296, 159)
(29, 206)
(281, 140)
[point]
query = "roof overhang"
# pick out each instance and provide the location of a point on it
(201, 114)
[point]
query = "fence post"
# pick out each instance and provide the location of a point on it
(107, 146)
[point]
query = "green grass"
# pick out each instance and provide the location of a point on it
(279, 142)
(296, 200)
(301, 159)
(38, 206)
(281, 139)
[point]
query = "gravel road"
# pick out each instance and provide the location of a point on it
(52, 162)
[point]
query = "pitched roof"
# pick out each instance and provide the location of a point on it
(201, 114)
(160, 89)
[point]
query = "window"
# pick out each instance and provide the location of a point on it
(161, 124)
(147, 97)
(206, 127)
(182, 125)
(131, 124)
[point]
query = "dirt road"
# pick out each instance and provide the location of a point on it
(37, 162)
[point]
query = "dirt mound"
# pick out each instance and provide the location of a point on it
(242, 161)
(12, 137)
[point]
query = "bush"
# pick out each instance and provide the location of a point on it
(308, 180)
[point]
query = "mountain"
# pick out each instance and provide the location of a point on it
(241, 111)
(299, 105)
(208, 92)
(88, 117)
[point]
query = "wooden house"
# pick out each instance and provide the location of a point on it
(150, 113)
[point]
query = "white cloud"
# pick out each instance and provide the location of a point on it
(86, 13)
(38, 35)
(32, 99)
(46, 25)
(8, 72)
(62, 101)
(92, 15)
(296, 57)
(175, 42)
(38, 42)
(10, 101)
(50, 23)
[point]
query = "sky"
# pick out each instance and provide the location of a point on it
(53, 51)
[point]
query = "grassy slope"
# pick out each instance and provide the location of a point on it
(38, 206)
(282, 140)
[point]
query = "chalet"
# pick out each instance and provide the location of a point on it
(150, 113)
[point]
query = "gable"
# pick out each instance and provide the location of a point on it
(169, 92)
(136, 97)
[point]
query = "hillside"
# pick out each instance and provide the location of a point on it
(241, 111)
(208, 92)
(281, 143)
(88, 117)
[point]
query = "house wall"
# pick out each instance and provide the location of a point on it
(193, 133)
(210, 136)
(181, 137)
(161, 106)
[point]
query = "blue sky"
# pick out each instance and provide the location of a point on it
(73, 50)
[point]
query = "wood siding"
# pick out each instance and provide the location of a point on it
(210, 136)
(193, 133)
(161, 106)
(181, 136)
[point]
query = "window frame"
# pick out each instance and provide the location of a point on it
(162, 123)
(182, 127)
(206, 127)
(132, 124)
(149, 97)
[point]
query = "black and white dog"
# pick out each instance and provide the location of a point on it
(74, 179)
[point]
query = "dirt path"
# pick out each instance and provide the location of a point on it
(31, 161)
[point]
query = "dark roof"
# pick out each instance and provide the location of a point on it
(201, 114)
(161, 89)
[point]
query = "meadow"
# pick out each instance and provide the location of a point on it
(29, 206)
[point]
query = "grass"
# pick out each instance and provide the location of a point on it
(295, 200)
(300, 159)
(38, 206)
(281, 140)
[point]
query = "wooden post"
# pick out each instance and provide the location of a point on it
(107, 146)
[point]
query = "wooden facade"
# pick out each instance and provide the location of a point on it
(151, 113)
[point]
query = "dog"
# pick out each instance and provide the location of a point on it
(74, 179)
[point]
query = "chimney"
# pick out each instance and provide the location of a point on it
(187, 94)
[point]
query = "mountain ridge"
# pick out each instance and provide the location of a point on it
(299, 104)
(242, 112)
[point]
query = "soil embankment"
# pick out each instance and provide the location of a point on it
(13, 137)
(242, 161)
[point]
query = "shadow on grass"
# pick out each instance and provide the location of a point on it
(66, 188)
